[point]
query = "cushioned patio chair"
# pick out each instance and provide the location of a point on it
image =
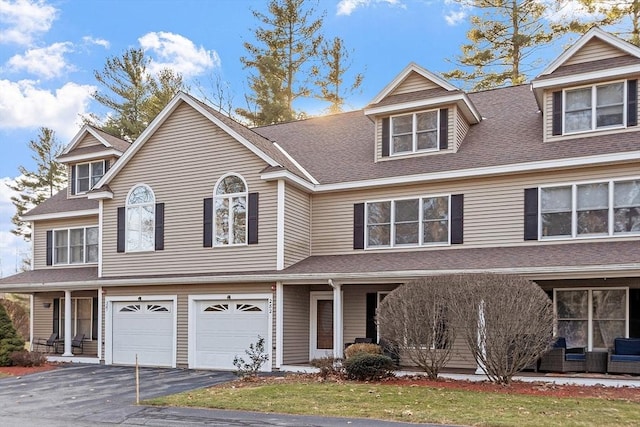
(563, 359)
(48, 344)
(625, 358)
(76, 342)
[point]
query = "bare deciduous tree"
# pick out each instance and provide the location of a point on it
(416, 318)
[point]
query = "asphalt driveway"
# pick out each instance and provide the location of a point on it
(91, 395)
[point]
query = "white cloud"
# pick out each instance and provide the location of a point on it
(346, 7)
(24, 105)
(178, 53)
(100, 42)
(565, 10)
(46, 62)
(12, 247)
(21, 20)
(456, 12)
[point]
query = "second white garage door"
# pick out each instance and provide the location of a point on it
(226, 328)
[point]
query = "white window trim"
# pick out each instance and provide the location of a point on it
(414, 139)
(420, 243)
(90, 174)
(229, 197)
(68, 245)
(590, 310)
(126, 219)
(574, 212)
(74, 316)
(594, 107)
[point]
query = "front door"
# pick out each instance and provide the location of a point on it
(321, 319)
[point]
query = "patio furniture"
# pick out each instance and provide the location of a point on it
(625, 358)
(563, 359)
(596, 361)
(49, 344)
(76, 342)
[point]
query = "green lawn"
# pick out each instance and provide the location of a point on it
(412, 404)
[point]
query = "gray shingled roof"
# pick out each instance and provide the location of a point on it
(414, 96)
(59, 203)
(52, 275)
(339, 148)
(587, 67)
(117, 143)
(84, 150)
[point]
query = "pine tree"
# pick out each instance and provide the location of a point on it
(9, 339)
(287, 43)
(335, 61)
(622, 13)
(36, 186)
(501, 42)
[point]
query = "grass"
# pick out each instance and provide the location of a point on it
(412, 404)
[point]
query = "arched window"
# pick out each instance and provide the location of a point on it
(140, 229)
(230, 218)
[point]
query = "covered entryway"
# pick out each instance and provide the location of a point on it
(222, 328)
(145, 329)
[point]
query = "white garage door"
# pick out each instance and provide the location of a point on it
(226, 328)
(143, 328)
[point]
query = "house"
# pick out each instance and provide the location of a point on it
(184, 246)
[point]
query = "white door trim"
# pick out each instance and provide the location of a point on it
(108, 356)
(314, 297)
(191, 333)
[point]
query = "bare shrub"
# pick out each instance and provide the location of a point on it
(507, 321)
(416, 319)
(27, 358)
(368, 348)
(328, 366)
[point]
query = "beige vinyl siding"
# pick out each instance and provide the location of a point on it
(295, 340)
(40, 229)
(183, 292)
(461, 129)
(461, 356)
(493, 207)
(354, 315)
(297, 225)
(89, 141)
(594, 50)
(413, 83)
(548, 120)
(182, 179)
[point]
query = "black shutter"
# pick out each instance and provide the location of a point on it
(557, 113)
(358, 226)
(56, 316)
(94, 320)
(252, 237)
(386, 139)
(121, 230)
(106, 166)
(49, 247)
(530, 214)
(632, 103)
(372, 302)
(444, 128)
(457, 219)
(207, 230)
(159, 237)
(73, 179)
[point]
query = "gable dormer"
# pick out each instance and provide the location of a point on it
(419, 113)
(591, 89)
(88, 157)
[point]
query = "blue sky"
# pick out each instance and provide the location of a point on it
(49, 50)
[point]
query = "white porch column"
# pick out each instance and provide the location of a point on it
(67, 324)
(100, 323)
(338, 329)
(279, 323)
(31, 310)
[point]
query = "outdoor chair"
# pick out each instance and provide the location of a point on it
(625, 358)
(76, 342)
(48, 344)
(563, 359)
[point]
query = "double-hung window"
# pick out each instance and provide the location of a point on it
(594, 107)
(140, 222)
(230, 216)
(75, 245)
(416, 132)
(407, 222)
(88, 175)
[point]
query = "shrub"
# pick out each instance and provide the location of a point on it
(327, 365)
(18, 312)
(357, 348)
(257, 358)
(27, 358)
(368, 367)
(9, 339)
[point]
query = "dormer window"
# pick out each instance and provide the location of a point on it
(87, 175)
(594, 107)
(416, 132)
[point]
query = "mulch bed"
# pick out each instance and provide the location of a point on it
(18, 371)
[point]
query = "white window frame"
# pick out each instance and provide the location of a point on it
(392, 236)
(230, 197)
(594, 107)
(74, 317)
(574, 211)
(414, 133)
(140, 206)
(68, 245)
(77, 183)
(590, 310)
